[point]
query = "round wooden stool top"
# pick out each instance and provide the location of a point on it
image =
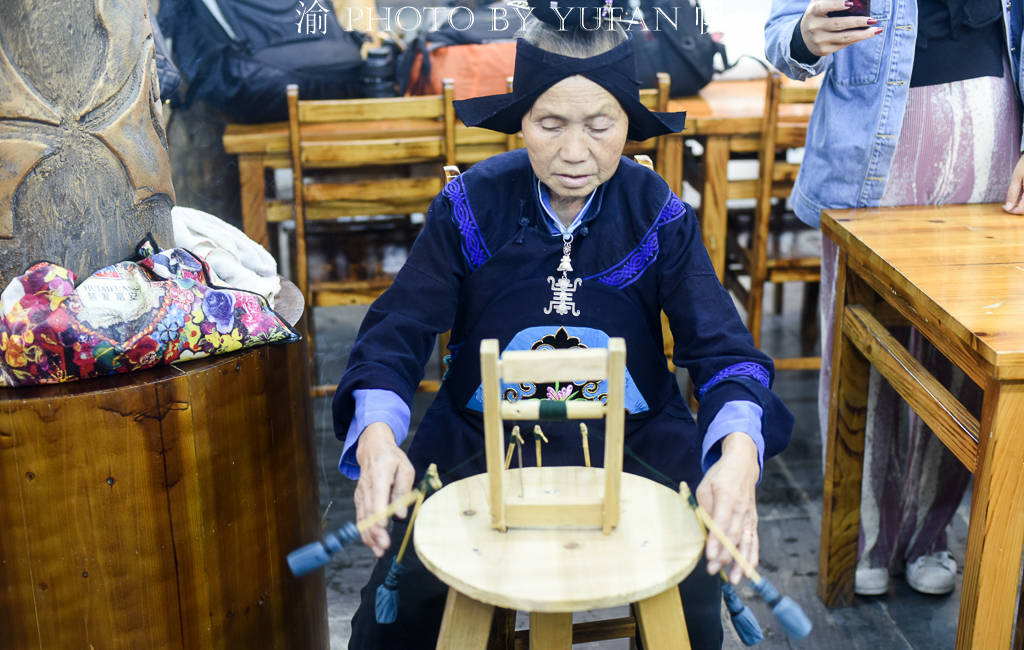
(656, 544)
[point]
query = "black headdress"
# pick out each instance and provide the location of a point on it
(537, 70)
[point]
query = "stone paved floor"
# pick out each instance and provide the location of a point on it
(790, 513)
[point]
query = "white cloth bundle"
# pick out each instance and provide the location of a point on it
(234, 260)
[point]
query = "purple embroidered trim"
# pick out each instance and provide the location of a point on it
(473, 246)
(633, 265)
(746, 369)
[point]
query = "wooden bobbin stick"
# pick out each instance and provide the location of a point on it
(508, 454)
(586, 446)
(713, 528)
(401, 502)
(538, 435)
(408, 529)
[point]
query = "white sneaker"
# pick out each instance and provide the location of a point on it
(871, 582)
(933, 574)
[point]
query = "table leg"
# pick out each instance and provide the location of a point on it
(466, 624)
(551, 631)
(713, 209)
(996, 532)
(844, 456)
(253, 187)
(662, 626)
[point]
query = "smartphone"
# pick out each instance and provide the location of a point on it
(859, 8)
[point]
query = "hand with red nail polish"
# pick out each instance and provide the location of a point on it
(825, 31)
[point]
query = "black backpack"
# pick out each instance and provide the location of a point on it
(239, 55)
(686, 51)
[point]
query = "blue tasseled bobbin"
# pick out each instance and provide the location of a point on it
(386, 606)
(314, 555)
(791, 617)
(743, 620)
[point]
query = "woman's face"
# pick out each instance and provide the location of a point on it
(574, 135)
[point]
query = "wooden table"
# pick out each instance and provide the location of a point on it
(726, 114)
(957, 274)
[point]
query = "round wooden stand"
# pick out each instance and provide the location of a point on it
(556, 571)
(155, 509)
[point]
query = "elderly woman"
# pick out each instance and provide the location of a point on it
(568, 211)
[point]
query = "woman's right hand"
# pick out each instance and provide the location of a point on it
(824, 35)
(385, 474)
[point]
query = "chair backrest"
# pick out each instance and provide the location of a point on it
(359, 134)
(775, 178)
(547, 366)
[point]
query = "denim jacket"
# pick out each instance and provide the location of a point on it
(857, 117)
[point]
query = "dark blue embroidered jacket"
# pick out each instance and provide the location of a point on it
(481, 268)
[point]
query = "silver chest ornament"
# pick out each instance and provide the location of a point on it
(562, 289)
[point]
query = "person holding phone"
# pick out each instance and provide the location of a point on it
(920, 105)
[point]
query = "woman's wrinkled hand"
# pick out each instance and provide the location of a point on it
(385, 474)
(727, 494)
(1015, 194)
(824, 34)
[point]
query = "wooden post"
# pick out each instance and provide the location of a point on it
(493, 434)
(85, 167)
(614, 431)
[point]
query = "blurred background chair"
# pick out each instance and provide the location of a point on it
(773, 246)
(352, 167)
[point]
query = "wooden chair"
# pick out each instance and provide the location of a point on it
(757, 253)
(380, 138)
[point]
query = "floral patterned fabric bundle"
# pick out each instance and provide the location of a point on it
(129, 316)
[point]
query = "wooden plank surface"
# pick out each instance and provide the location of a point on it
(543, 570)
(554, 365)
(366, 109)
(960, 268)
(72, 571)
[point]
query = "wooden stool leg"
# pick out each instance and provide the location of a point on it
(466, 624)
(662, 626)
(503, 630)
(551, 631)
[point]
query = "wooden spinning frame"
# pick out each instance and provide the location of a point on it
(543, 507)
(557, 539)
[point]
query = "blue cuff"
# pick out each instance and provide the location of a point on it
(373, 405)
(734, 416)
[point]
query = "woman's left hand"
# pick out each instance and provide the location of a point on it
(1015, 194)
(727, 494)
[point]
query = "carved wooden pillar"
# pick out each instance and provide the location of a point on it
(84, 173)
